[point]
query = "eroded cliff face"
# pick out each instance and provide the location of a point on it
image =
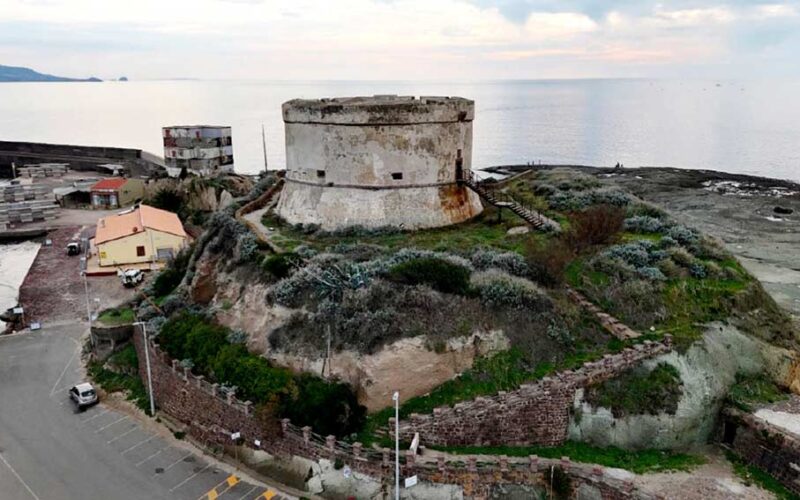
(411, 365)
(707, 370)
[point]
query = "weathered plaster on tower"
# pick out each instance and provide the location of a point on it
(378, 161)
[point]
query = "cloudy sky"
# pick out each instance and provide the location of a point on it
(402, 39)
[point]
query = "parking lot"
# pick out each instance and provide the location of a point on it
(182, 473)
(51, 451)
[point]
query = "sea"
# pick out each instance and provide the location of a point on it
(749, 127)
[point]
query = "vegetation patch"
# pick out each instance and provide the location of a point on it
(439, 274)
(751, 392)
(328, 407)
(489, 229)
(640, 462)
(639, 392)
(753, 475)
(126, 381)
(116, 317)
(504, 371)
(170, 277)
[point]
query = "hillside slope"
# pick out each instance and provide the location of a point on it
(20, 74)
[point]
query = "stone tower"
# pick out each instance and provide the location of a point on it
(378, 161)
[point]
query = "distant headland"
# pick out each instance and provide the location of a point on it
(20, 74)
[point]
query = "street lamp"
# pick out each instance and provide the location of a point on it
(396, 399)
(147, 361)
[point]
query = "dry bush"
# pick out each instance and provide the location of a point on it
(600, 225)
(547, 262)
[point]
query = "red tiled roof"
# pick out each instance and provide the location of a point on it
(112, 183)
(118, 226)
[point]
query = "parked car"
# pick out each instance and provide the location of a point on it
(83, 394)
(131, 277)
(73, 248)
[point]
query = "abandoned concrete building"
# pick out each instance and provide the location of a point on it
(200, 149)
(378, 161)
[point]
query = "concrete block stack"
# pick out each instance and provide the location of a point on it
(28, 211)
(41, 170)
(15, 192)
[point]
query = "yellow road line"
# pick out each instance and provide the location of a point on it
(212, 494)
(267, 495)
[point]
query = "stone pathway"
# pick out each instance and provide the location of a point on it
(614, 326)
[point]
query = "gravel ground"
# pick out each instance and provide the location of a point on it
(715, 480)
(54, 289)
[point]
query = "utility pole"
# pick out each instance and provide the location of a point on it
(86, 291)
(396, 399)
(147, 360)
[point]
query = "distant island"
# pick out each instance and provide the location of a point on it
(19, 74)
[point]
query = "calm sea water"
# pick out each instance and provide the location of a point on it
(743, 127)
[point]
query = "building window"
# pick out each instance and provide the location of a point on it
(398, 176)
(140, 251)
(320, 174)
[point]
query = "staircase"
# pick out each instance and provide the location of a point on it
(502, 200)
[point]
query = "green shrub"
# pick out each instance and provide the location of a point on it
(111, 381)
(203, 342)
(280, 265)
(114, 317)
(328, 407)
(331, 408)
(439, 274)
(637, 393)
(173, 333)
(497, 289)
(168, 199)
(170, 277)
(750, 392)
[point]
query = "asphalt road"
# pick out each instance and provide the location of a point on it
(51, 451)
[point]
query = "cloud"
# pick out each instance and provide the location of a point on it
(397, 39)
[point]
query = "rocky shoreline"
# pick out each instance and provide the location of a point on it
(757, 218)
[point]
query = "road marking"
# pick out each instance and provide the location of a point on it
(123, 434)
(188, 478)
(139, 444)
(249, 491)
(120, 419)
(176, 462)
(267, 495)
(94, 417)
(229, 483)
(151, 456)
(53, 390)
(18, 477)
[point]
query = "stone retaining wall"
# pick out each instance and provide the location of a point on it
(764, 446)
(211, 416)
(534, 414)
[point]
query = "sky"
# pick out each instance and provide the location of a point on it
(402, 39)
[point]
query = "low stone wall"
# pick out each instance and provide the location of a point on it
(211, 417)
(764, 446)
(107, 339)
(534, 414)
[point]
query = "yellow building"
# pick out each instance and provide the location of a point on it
(142, 235)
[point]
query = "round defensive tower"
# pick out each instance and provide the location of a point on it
(378, 161)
